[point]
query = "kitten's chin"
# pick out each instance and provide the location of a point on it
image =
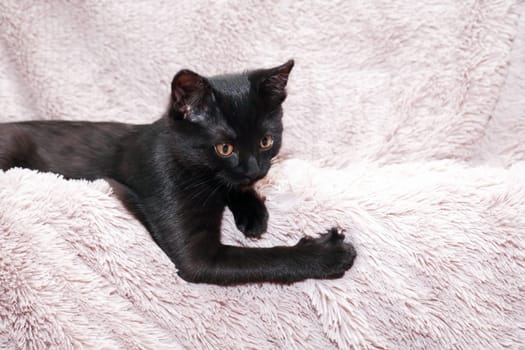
(242, 184)
(247, 187)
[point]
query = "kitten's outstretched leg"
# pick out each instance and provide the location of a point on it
(325, 257)
(249, 211)
(190, 236)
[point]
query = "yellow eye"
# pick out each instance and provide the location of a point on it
(224, 149)
(266, 142)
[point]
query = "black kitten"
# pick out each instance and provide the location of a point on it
(178, 174)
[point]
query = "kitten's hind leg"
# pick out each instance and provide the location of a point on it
(19, 150)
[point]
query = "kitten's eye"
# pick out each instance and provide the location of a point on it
(224, 149)
(266, 142)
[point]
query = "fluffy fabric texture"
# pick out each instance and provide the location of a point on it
(405, 125)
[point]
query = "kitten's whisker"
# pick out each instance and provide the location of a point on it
(199, 192)
(211, 194)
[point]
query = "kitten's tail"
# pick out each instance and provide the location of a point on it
(19, 150)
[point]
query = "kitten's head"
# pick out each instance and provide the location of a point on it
(230, 125)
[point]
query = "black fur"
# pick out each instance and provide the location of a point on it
(169, 175)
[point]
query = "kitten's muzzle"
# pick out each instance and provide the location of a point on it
(249, 180)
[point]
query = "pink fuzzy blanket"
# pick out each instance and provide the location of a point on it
(405, 125)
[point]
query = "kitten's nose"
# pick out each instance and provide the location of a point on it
(252, 168)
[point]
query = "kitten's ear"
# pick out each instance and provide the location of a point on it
(272, 83)
(188, 90)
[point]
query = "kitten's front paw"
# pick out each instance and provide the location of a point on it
(252, 220)
(332, 255)
(249, 211)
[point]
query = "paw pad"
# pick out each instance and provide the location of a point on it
(336, 234)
